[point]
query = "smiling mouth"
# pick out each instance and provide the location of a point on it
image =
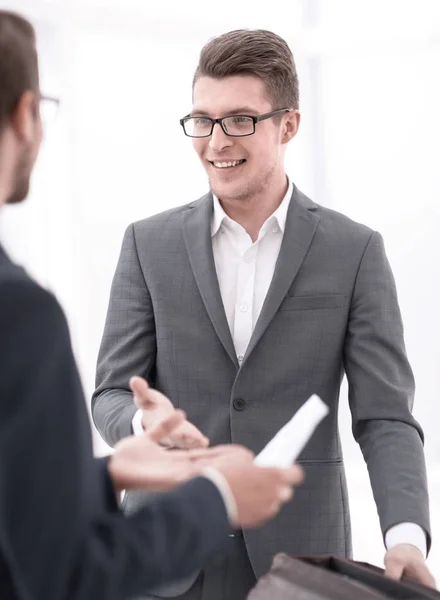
(227, 164)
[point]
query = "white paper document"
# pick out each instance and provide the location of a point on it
(285, 447)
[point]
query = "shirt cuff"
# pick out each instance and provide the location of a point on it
(136, 423)
(406, 533)
(220, 482)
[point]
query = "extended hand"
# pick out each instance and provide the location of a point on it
(139, 462)
(405, 559)
(156, 408)
(259, 492)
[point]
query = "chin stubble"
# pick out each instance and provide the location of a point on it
(247, 191)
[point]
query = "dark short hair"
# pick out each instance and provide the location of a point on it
(18, 62)
(253, 52)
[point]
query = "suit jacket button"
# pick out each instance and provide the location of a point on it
(239, 404)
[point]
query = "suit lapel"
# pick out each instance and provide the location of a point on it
(197, 233)
(301, 224)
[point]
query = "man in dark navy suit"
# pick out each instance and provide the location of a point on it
(62, 535)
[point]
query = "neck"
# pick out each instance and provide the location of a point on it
(3, 193)
(252, 212)
(6, 169)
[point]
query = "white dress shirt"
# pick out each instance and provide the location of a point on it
(245, 270)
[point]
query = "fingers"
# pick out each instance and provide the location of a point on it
(394, 569)
(294, 475)
(188, 437)
(428, 580)
(285, 480)
(406, 560)
(290, 476)
(143, 398)
(166, 427)
(222, 452)
(285, 494)
(156, 406)
(191, 439)
(218, 456)
(273, 510)
(422, 574)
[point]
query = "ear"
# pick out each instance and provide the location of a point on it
(24, 118)
(290, 126)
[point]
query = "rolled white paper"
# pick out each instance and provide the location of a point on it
(285, 447)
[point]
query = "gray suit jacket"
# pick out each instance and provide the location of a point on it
(331, 307)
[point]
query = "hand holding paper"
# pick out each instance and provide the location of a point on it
(285, 447)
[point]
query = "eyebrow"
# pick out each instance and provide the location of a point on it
(243, 110)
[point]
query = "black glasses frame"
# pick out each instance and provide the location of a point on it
(255, 120)
(50, 99)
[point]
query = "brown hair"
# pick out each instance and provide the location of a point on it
(253, 52)
(18, 62)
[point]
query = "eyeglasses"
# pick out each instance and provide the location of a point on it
(234, 125)
(49, 108)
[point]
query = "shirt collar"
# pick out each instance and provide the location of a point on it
(280, 215)
(281, 212)
(218, 216)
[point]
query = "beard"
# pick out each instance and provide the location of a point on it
(246, 190)
(21, 178)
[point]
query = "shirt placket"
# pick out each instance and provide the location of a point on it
(243, 322)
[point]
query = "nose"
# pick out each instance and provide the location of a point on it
(219, 140)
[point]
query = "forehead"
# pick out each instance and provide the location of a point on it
(229, 94)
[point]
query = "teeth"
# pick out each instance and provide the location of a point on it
(224, 165)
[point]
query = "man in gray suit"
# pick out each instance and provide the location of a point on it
(243, 303)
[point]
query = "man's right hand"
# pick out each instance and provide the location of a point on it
(157, 408)
(259, 492)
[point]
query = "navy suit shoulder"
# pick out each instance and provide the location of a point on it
(62, 535)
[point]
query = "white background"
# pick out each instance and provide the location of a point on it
(368, 146)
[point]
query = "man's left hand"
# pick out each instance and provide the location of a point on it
(407, 560)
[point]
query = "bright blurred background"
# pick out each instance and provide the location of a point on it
(368, 146)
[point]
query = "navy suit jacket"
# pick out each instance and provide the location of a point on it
(62, 535)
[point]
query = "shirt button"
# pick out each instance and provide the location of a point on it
(239, 403)
(275, 230)
(240, 357)
(243, 307)
(249, 259)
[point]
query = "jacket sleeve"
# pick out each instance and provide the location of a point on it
(128, 345)
(381, 394)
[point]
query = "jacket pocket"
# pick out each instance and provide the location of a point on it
(320, 461)
(313, 302)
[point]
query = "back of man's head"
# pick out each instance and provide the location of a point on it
(18, 62)
(20, 122)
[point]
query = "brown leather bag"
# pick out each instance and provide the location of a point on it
(331, 578)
